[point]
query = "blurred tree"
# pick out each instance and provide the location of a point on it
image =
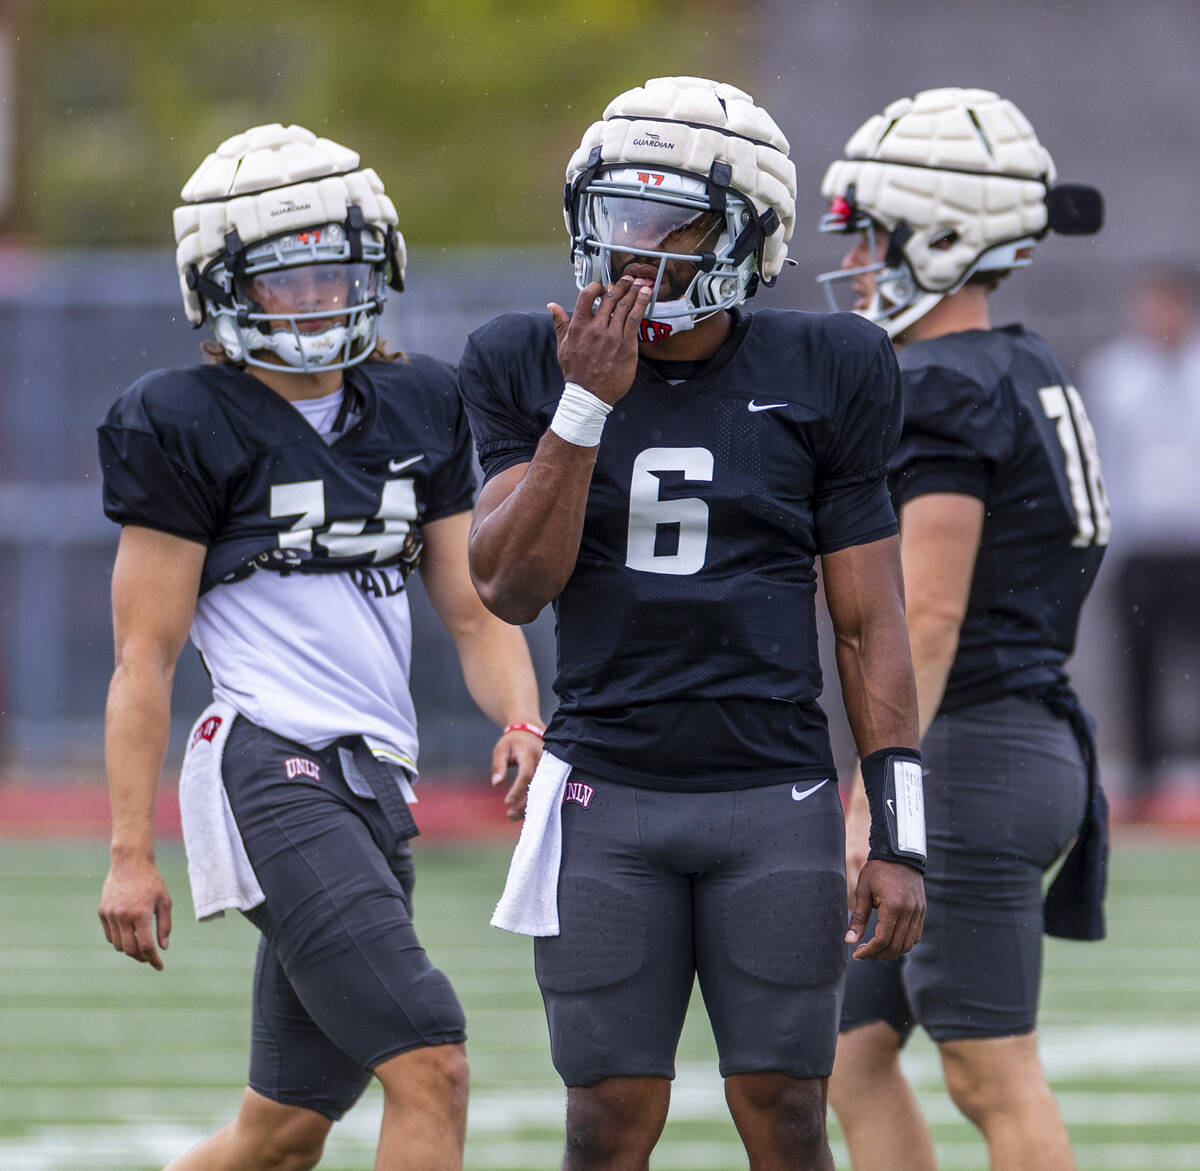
(468, 109)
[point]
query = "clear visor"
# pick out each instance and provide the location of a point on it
(313, 295)
(649, 227)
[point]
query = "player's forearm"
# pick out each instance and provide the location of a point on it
(934, 644)
(941, 532)
(878, 688)
(865, 592)
(498, 672)
(524, 549)
(137, 728)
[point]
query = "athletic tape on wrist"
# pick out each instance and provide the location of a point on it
(896, 795)
(580, 416)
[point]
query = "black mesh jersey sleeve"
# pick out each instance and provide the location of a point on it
(148, 474)
(509, 379)
(851, 504)
(957, 431)
(451, 483)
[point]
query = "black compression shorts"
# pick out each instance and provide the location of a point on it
(1004, 797)
(744, 889)
(341, 982)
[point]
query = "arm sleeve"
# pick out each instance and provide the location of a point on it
(503, 432)
(145, 485)
(955, 434)
(851, 504)
(452, 487)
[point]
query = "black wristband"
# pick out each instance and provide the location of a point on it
(892, 778)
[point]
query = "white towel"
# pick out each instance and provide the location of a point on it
(219, 870)
(529, 904)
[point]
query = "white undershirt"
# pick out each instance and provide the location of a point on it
(322, 412)
(313, 657)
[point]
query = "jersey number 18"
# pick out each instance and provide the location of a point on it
(1064, 407)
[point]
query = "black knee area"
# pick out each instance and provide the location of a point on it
(608, 1120)
(801, 1122)
(791, 1111)
(589, 1142)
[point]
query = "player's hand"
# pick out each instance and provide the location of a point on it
(520, 750)
(135, 910)
(598, 343)
(858, 833)
(897, 892)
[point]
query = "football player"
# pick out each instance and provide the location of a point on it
(274, 502)
(665, 468)
(1003, 522)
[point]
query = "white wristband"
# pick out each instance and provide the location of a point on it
(580, 416)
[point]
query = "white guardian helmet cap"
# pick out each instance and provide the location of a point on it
(961, 184)
(682, 169)
(287, 245)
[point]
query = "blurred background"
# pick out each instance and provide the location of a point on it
(469, 109)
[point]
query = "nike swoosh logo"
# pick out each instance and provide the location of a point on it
(798, 796)
(891, 806)
(395, 465)
(764, 406)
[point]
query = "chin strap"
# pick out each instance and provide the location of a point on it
(670, 318)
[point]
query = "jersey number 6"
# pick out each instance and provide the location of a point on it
(652, 520)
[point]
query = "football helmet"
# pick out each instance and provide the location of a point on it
(683, 170)
(961, 184)
(287, 246)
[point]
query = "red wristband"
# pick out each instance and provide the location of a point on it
(524, 728)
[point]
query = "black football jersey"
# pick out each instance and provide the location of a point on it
(687, 644)
(212, 454)
(992, 414)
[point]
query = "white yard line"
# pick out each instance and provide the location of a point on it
(497, 1116)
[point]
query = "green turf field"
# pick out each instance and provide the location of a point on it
(105, 1064)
